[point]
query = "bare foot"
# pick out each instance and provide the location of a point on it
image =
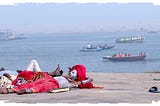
(4, 91)
(57, 72)
(22, 91)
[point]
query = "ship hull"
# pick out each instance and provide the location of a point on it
(126, 58)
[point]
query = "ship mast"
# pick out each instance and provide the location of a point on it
(141, 30)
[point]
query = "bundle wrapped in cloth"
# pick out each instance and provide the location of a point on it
(78, 72)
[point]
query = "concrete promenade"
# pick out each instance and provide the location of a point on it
(118, 88)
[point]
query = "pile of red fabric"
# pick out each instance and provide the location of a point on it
(41, 84)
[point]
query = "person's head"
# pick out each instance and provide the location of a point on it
(73, 74)
(6, 79)
(77, 72)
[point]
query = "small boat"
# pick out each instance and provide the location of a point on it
(6, 35)
(126, 57)
(152, 32)
(134, 39)
(91, 48)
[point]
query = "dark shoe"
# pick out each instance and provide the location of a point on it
(22, 91)
(2, 69)
(154, 90)
(18, 71)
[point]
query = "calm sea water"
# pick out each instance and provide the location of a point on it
(53, 49)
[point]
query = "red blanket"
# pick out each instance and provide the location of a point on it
(37, 81)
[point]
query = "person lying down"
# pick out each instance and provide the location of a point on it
(33, 80)
(7, 76)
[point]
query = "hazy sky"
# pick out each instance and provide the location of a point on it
(77, 17)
